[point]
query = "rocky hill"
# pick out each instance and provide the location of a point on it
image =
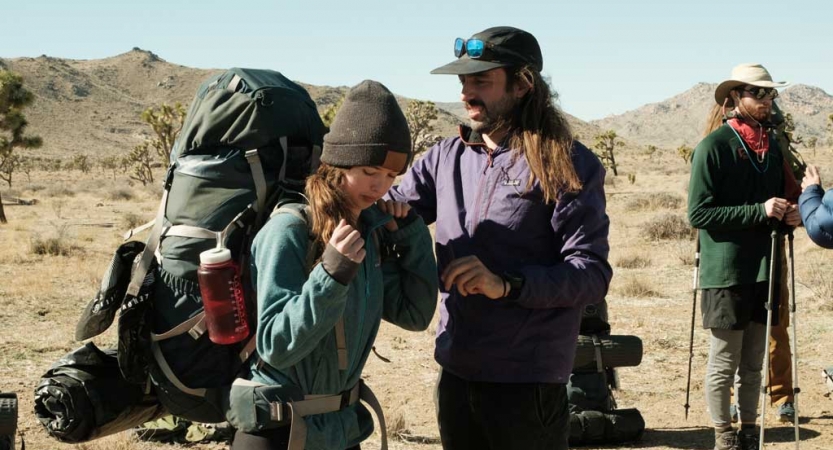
(681, 119)
(93, 107)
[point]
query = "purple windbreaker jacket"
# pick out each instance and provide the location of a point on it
(479, 202)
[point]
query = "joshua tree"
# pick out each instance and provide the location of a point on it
(13, 99)
(606, 144)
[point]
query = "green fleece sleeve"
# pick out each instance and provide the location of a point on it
(294, 311)
(704, 211)
(410, 276)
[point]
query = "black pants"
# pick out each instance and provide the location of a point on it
(501, 416)
(274, 439)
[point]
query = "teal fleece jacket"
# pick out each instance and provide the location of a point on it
(297, 313)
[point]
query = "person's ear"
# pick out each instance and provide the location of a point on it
(523, 84)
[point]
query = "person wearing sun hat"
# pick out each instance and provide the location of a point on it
(522, 244)
(737, 194)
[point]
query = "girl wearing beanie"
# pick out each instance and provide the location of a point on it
(371, 260)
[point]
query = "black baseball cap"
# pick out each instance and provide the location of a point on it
(503, 47)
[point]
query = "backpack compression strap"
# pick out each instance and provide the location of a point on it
(341, 338)
(143, 265)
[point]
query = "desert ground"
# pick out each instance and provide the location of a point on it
(82, 217)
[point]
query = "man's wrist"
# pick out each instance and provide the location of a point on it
(514, 283)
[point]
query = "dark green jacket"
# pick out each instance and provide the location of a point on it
(298, 312)
(726, 197)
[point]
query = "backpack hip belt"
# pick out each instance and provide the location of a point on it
(295, 411)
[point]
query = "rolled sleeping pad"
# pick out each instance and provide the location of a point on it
(613, 427)
(8, 420)
(616, 351)
(83, 396)
(594, 319)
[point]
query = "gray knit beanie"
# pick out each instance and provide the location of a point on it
(369, 130)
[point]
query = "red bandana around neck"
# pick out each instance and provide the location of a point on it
(755, 137)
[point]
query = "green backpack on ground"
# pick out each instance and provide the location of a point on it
(250, 139)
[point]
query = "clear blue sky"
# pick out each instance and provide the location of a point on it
(603, 56)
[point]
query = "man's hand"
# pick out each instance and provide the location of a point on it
(792, 217)
(776, 208)
(472, 277)
(348, 241)
(811, 177)
(399, 210)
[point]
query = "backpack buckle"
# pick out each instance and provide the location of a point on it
(278, 411)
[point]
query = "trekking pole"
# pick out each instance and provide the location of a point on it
(765, 378)
(794, 340)
(693, 314)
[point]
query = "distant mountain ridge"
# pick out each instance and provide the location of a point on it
(93, 106)
(681, 119)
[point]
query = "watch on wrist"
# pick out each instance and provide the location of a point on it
(516, 283)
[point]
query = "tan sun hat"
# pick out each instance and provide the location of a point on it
(746, 74)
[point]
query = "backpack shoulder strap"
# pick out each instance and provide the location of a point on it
(301, 211)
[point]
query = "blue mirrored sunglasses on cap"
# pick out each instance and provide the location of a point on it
(477, 48)
(472, 47)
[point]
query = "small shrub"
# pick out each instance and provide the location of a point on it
(684, 252)
(667, 227)
(610, 180)
(653, 202)
(637, 287)
(633, 262)
(60, 191)
(120, 194)
(397, 426)
(133, 220)
(820, 285)
(32, 187)
(54, 246)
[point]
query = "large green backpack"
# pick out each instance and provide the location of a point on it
(250, 139)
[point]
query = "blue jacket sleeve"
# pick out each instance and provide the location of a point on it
(295, 311)
(816, 209)
(410, 276)
(582, 225)
(418, 188)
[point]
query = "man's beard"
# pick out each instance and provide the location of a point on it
(498, 115)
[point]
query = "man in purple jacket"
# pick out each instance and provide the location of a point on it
(521, 241)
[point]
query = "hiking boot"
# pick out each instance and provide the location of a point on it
(786, 412)
(725, 440)
(748, 439)
(733, 412)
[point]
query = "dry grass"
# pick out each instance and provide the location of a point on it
(637, 287)
(46, 294)
(667, 226)
(632, 262)
(58, 244)
(655, 201)
(59, 191)
(132, 220)
(820, 284)
(121, 194)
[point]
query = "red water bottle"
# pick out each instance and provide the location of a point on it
(222, 297)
